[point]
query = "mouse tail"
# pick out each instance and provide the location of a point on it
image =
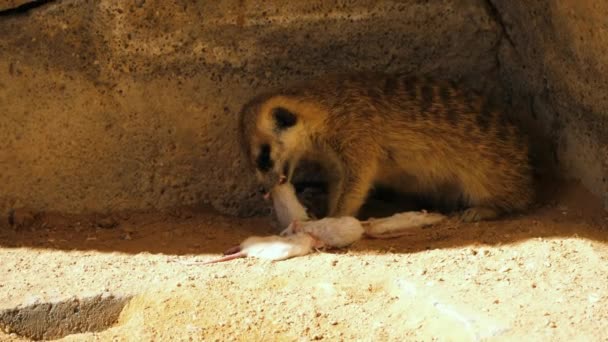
(226, 258)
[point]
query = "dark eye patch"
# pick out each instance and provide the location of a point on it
(263, 162)
(284, 118)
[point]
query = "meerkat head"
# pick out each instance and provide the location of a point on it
(274, 135)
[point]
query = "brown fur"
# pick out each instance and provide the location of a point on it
(411, 134)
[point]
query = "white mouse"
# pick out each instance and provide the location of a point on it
(287, 207)
(344, 231)
(331, 232)
(272, 248)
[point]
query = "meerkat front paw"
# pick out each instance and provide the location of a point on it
(476, 214)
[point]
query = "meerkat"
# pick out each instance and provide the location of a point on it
(412, 134)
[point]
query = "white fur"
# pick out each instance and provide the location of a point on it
(303, 237)
(287, 208)
(397, 224)
(278, 247)
(343, 231)
(332, 232)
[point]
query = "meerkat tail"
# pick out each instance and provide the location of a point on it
(399, 224)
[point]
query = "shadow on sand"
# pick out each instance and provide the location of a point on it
(567, 210)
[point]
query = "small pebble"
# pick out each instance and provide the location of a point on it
(107, 223)
(21, 218)
(593, 298)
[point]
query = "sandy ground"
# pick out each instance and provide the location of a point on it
(540, 276)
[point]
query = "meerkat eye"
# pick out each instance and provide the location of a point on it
(284, 118)
(264, 162)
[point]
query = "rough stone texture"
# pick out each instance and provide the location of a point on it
(8, 4)
(112, 105)
(47, 321)
(554, 60)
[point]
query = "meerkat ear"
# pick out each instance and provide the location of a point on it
(284, 118)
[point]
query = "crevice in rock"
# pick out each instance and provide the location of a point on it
(497, 16)
(24, 8)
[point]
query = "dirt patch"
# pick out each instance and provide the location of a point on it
(538, 276)
(44, 321)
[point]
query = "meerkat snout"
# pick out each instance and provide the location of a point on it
(273, 151)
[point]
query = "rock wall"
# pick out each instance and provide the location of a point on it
(554, 61)
(130, 105)
(119, 105)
